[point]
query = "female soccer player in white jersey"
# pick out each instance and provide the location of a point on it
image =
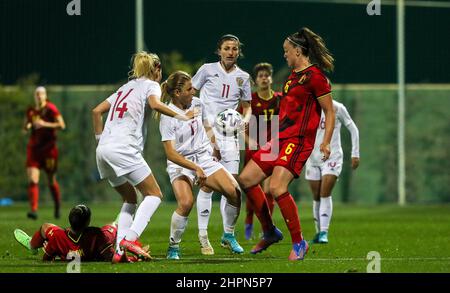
(222, 85)
(189, 159)
(120, 147)
(322, 175)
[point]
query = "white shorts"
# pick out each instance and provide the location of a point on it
(115, 162)
(205, 160)
(229, 151)
(135, 177)
(329, 167)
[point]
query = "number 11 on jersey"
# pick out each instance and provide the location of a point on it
(225, 90)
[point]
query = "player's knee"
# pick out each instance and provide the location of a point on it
(276, 189)
(206, 189)
(230, 192)
(244, 181)
(233, 195)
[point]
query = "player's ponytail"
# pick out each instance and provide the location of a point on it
(145, 65)
(174, 82)
(313, 46)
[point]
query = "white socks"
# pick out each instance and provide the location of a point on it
(326, 210)
(316, 215)
(124, 222)
(230, 216)
(143, 215)
(223, 203)
(204, 205)
(177, 227)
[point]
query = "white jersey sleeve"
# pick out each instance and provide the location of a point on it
(343, 116)
(112, 98)
(199, 78)
(153, 89)
(167, 128)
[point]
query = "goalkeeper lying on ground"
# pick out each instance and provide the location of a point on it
(91, 243)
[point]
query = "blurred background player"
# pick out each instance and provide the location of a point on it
(265, 104)
(190, 159)
(120, 149)
(305, 93)
(222, 85)
(322, 175)
(91, 243)
(43, 119)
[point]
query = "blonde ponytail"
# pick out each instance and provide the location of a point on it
(145, 65)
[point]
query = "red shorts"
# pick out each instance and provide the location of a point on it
(46, 160)
(248, 155)
(292, 155)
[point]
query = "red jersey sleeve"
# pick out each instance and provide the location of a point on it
(319, 85)
(51, 247)
(53, 110)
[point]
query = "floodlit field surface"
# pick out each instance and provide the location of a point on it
(410, 239)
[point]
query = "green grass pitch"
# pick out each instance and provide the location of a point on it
(409, 239)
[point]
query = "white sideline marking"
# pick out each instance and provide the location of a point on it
(316, 259)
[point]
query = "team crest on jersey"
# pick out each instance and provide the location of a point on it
(258, 105)
(239, 81)
(286, 86)
(304, 78)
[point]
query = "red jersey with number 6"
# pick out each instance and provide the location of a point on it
(299, 107)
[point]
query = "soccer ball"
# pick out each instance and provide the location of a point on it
(228, 122)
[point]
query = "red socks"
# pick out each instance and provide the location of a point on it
(54, 189)
(258, 201)
(270, 202)
(250, 210)
(290, 214)
(33, 195)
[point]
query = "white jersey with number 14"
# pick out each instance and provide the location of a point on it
(127, 117)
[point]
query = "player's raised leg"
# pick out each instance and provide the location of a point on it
(249, 180)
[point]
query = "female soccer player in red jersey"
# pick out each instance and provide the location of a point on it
(265, 105)
(306, 92)
(43, 119)
(90, 243)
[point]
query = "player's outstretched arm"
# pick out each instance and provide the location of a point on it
(156, 104)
